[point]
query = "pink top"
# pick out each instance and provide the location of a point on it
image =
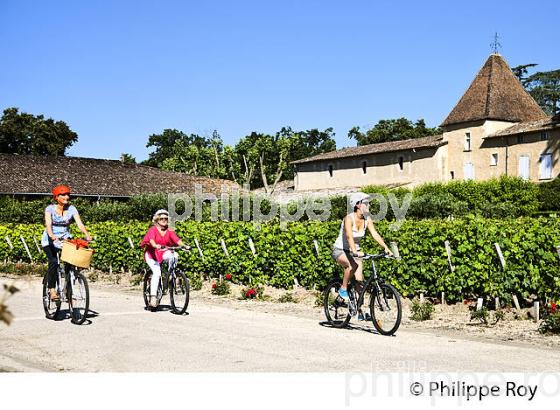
(170, 238)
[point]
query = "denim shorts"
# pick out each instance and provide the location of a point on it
(336, 252)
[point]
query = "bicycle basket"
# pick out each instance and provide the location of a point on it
(76, 254)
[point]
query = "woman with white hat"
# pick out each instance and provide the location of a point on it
(346, 249)
(158, 237)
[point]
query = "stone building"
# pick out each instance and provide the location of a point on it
(495, 129)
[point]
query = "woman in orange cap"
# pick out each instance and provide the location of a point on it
(58, 218)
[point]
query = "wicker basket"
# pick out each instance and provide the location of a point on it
(80, 257)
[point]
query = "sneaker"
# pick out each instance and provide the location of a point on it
(361, 316)
(343, 293)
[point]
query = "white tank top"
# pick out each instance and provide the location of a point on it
(342, 241)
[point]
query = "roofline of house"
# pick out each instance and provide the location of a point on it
(304, 160)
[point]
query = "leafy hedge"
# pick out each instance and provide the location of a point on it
(497, 198)
(528, 245)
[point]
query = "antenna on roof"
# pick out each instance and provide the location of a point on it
(495, 44)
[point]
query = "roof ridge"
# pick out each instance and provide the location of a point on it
(489, 88)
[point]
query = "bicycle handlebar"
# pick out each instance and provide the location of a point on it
(174, 248)
(378, 255)
(368, 256)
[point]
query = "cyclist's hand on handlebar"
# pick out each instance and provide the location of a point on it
(388, 251)
(186, 247)
(358, 254)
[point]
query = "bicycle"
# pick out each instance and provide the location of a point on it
(72, 288)
(384, 301)
(175, 281)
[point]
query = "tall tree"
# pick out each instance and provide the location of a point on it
(544, 86)
(192, 154)
(23, 133)
(392, 130)
(266, 159)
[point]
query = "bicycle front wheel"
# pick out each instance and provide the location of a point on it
(385, 309)
(79, 298)
(51, 307)
(179, 288)
(336, 309)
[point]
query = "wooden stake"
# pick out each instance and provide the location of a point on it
(536, 311)
(516, 303)
(479, 303)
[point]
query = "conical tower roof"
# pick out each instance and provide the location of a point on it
(495, 94)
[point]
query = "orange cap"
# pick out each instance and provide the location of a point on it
(60, 189)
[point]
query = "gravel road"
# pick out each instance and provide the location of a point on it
(123, 337)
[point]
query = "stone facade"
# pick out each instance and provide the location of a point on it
(495, 129)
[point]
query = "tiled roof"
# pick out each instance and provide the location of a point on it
(495, 94)
(547, 124)
(28, 174)
(415, 143)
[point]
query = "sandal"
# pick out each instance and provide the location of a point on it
(153, 302)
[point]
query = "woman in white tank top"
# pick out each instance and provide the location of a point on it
(346, 249)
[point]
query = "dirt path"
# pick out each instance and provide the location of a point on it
(220, 335)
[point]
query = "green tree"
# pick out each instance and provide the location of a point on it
(265, 159)
(544, 86)
(392, 130)
(545, 89)
(192, 154)
(23, 133)
(521, 72)
(127, 159)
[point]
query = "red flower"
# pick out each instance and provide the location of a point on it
(214, 285)
(228, 276)
(553, 307)
(250, 293)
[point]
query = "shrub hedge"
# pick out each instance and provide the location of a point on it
(282, 256)
(498, 198)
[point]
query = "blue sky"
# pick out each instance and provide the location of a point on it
(118, 71)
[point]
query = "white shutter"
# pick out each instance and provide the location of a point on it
(468, 171)
(546, 166)
(524, 167)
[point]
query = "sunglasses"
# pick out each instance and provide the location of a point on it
(64, 194)
(164, 219)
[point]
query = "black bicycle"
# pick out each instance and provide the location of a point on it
(173, 281)
(385, 310)
(72, 288)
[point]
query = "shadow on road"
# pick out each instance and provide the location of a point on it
(361, 327)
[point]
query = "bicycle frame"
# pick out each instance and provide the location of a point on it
(69, 280)
(375, 278)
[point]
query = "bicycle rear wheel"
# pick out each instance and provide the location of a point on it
(179, 288)
(336, 309)
(51, 308)
(385, 309)
(79, 298)
(146, 291)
